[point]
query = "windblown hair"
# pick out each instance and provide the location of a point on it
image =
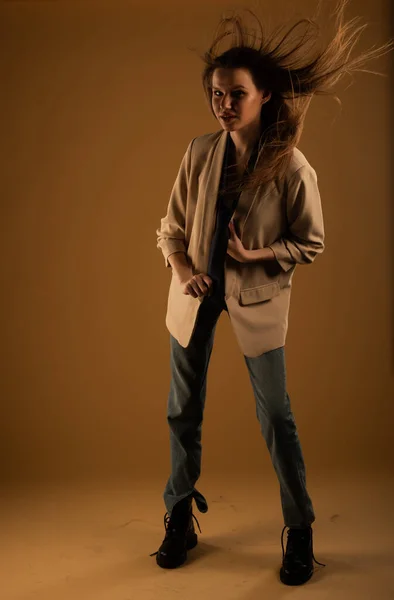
(283, 68)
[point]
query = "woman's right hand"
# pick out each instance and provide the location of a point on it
(198, 285)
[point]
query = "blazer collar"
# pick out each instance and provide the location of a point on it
(214, 165)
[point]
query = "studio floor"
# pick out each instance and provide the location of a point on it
(92, 541)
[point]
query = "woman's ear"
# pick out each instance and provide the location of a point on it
(266, 97)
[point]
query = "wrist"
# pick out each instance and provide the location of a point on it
(184, 273)
(181, 266)
(261, 254)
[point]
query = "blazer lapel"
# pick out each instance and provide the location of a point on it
(209, 186)
(209, 182)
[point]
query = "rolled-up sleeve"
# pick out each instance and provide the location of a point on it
(171, 233)
(305, 236)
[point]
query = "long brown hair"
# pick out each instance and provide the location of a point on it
(282, 67)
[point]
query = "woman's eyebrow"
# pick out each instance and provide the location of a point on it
(235, 87)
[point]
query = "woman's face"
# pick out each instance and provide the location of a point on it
(234, 93)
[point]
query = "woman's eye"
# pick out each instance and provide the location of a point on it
(239, 93)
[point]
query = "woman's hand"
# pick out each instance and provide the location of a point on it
(235, 247)
(198, 285)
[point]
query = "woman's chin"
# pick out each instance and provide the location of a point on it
(228, 126)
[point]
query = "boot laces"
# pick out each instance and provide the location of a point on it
(169, 531)
(295, 535)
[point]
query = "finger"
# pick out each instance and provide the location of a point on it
(203, 287)
(200, 280)
(198, 286)
(207, 280)
(193, 291)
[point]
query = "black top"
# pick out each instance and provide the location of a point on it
(226, 205)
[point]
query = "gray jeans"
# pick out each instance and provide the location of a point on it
(185, 410)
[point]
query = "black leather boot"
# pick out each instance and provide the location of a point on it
(297, 564)
(180, 535)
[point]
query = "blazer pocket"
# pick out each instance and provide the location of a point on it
(260, 293)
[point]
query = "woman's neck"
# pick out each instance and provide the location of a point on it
(245, 140)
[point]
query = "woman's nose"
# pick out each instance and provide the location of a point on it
(226, 103)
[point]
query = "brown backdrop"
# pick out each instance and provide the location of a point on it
(99, 101)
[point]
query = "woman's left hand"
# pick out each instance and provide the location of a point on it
(235, 247)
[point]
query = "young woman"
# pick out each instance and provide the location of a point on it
(245, 210)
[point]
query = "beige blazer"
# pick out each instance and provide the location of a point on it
(289, 220)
